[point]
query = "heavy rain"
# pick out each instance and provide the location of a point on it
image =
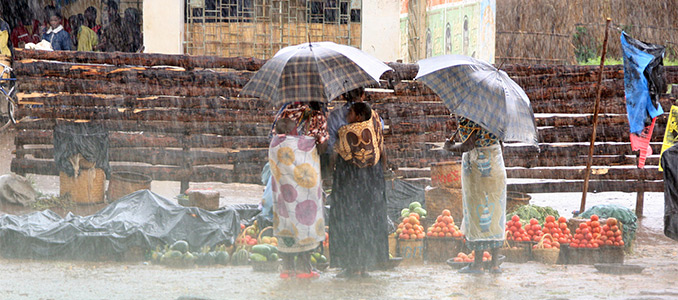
(338, 149)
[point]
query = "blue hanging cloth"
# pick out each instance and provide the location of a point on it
(643, 81)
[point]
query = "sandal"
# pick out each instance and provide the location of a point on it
(308, 275)
(496, 270)
(286, 275)
(469, 270)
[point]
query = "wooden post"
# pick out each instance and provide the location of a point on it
(640, 193)
(587, 174)
(186, 162)
(416, 29)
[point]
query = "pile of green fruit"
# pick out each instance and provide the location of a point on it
(178, 255)
(414, 207)
(264, 252)
(318, 258)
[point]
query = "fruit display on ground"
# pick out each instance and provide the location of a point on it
(414, 207)
(588, 234)
(444, 227)
(611, 234)
(463, 257)
(517, 232)
(178, 255)
(533, 230)
(264, 252)
(410, 228)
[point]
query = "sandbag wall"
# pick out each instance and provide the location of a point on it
(178, 118)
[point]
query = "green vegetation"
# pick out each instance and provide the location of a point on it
(618, 61)
(53, 201)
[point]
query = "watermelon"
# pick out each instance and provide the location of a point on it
(222, 257)
(180, 245)
(240, 257)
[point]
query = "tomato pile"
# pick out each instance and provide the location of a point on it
(558, 230)
(533, 230)
(514, 226)
(410, 228)
(612, 233)
(548, 243)
(463, 257)
(444, 227)
(587, 235)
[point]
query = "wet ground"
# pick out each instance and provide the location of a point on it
(28, 279)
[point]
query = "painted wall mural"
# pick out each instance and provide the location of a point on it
(455, 27)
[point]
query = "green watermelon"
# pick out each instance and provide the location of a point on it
(257, 257)
(180, 245)
(240, 257)
(222, 257)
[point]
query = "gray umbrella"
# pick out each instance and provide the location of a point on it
(478, 91)
(314, 72)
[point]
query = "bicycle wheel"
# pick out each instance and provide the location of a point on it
(11, 107)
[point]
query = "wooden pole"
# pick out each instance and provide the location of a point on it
(589, 161)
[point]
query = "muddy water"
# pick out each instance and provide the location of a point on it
(27, 279)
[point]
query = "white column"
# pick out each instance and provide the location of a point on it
(164, 26)
(381, 28)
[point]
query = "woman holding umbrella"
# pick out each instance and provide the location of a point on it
(483, 192)
(492, 108)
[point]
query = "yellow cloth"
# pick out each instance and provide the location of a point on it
(671, 133)
(4, 48)
(361, 143)
(87, 39)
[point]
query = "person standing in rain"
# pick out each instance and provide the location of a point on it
(132, 26)
(84, 37)
(91, 20)
(56, 35)
(483, 183)
(357, 219)
(27, 29)
(6, 49)
(299, 135)
(113, 37)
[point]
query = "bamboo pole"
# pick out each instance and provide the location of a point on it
(589, 161)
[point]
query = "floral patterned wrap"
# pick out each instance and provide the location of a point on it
(297, 193)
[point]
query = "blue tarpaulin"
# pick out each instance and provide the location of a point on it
(641, 82)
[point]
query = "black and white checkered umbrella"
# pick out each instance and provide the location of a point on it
(314, 72)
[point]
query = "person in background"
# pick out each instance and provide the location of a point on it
(358, 221)
(296, 184)
(6, 49)
(132, 26)
(483, 187)
(91, 20)
(84, 38)
(56, 35)
(27, 30)
(113, 36)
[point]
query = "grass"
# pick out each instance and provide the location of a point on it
(619, 61)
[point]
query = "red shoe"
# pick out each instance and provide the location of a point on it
(285, 275)
(308, 275)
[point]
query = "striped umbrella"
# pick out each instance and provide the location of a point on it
(314, 72)
(478, 91)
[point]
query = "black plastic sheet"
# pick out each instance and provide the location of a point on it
(670, 166)
(141, 219)
(89, 140)
(399, 195)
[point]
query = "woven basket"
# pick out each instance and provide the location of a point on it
(86, 188)
(241, 236)
(545, 255)
(515, 255)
